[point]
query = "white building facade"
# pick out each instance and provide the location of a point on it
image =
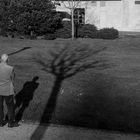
(123, 15)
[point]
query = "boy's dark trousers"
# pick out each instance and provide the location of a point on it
(9, 100)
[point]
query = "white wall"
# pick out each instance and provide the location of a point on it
(122, 15)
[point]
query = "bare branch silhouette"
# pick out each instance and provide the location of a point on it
(68, 61)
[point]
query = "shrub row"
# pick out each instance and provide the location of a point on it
(65, 31)
(108, 33)
(87, 31)
(83, 31)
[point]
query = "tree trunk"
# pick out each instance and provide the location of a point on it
(72, 23)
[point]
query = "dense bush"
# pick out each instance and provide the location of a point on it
(26, 16)
(65, 31)
(88, 31)
(84, 31)
(108, 33)
(50, 37)
(3, 33)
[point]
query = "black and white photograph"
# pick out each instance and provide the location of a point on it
(69, 69)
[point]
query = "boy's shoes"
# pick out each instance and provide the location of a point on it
(13, 124)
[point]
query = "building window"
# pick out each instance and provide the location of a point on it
(79, 15)
(102, 3)
(94, 3)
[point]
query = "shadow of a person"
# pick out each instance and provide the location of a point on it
(24, 96)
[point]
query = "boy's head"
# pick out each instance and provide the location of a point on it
(4, 58)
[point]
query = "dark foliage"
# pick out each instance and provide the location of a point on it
(83, 31)
(50, 37)
(29, 17)
(65, 31)
(88, 31)
(108, 33)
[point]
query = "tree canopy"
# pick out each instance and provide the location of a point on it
(24, 16)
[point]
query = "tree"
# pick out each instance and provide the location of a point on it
(4, 6)
(30, 16)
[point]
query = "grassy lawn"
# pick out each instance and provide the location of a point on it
(106, 98)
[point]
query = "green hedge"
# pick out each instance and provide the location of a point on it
(87, 31)
(84, 31)
(108, 33)
(50, 37)
(65, 31)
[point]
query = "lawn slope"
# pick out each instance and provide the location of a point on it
(107, 98)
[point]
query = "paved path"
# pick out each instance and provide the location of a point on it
(25, 131)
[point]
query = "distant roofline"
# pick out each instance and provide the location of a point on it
(137, 2)
(87, 0)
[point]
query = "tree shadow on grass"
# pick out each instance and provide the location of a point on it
(24, 96)
(65, 62)
(25, 48)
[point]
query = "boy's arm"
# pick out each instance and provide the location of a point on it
(13, 75)
(13, 78)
